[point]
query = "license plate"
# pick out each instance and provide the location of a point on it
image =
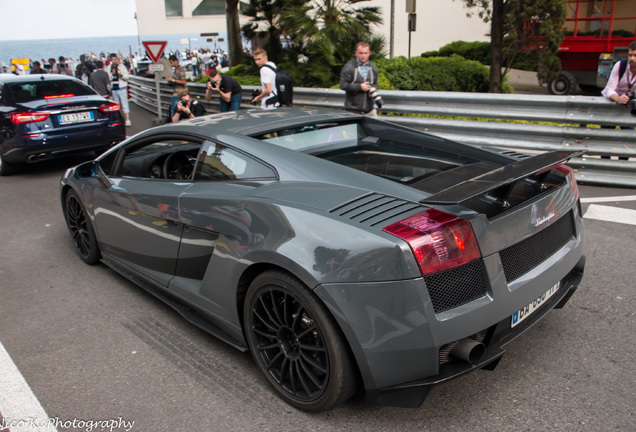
(525, 312)
(76, 117)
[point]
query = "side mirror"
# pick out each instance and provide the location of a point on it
(93, 170)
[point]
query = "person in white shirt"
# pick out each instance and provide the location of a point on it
(267, 97)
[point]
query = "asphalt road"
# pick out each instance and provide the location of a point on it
(93, 346)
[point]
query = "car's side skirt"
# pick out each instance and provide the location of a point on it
(186, 310)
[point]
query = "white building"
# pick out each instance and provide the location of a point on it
(438, 22)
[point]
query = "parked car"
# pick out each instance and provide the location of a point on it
(143, 69)
(48, 116)
(346, 253)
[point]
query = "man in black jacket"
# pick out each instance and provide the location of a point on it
(359, 78)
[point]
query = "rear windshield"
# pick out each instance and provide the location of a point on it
(48, 89)
(315, 135)
(380, 149)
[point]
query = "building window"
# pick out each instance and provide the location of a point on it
(210, 7)
(174, 8)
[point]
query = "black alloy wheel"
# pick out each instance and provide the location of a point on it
(297, 344)
(81, 229)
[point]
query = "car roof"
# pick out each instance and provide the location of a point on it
(257, 121)
(11, 78)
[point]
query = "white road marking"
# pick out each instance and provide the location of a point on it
(610, 214)
(21, 411)
(608, 199)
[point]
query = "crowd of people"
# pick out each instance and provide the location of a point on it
(108, 74)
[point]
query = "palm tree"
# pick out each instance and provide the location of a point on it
(319, 36)
(330, 29)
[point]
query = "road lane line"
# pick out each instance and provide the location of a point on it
(610, 214)
(21, 411)
(608, 199)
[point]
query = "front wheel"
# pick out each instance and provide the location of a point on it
(81, 229)
(297, 344)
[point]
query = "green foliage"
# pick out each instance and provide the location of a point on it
(436, 74)
(320, 35)
(452, 73)
(533, 31)
(478, 51)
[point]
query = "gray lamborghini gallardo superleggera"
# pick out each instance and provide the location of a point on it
(346, 253)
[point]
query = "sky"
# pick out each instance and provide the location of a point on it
(61, 19)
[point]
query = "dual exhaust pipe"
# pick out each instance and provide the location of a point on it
(36, 157)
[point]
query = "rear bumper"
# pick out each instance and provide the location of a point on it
(412, 394)
(52, 145)
(401, 344)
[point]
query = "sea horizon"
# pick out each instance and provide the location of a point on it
(72, 48)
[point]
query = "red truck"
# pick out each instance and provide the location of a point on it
(597, 35)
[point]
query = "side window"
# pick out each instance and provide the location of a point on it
(167, 159)
(217, 162)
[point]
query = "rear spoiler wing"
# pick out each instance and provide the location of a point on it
(501, 176)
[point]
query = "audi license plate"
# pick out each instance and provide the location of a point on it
(525, 312)
(76, 117)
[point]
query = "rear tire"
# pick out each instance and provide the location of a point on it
(297, 344)
(564, 84)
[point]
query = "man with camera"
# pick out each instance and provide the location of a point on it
(620, 86)
(359, 79)
(229, 89)
(62, 67)
(119, 82)
(187, 107)
(84, 69)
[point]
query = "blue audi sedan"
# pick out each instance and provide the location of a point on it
(48, 116)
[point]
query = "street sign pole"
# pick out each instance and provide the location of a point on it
(155, 51)
(157, 121)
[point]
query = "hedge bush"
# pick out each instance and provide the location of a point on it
(452, 73)
(480, 51)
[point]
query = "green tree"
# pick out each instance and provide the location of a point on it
(330, 29)
(533, 28)
(313, 38)
(264, 28)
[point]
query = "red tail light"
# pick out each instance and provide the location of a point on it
(59, 96)
(570, 173)
(440, 241)
(109, 108)
(28, 117)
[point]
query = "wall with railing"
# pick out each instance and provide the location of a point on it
(528, 123)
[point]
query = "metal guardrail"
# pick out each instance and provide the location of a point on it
(572, 122)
